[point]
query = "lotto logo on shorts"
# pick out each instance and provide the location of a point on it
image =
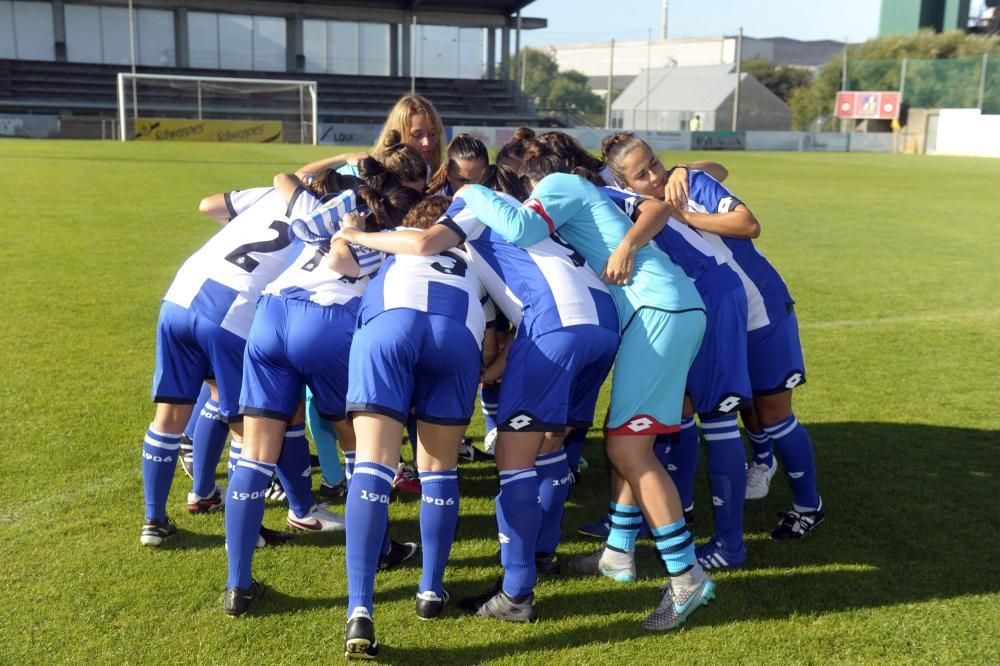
(520, 421)
(503, 538)
(640, 424)
(793, 380)
(729, 404)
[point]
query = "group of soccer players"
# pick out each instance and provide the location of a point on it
(388, 301)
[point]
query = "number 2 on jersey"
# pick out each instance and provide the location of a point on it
(241, 255)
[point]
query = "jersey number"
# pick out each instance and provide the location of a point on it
(241, 255)
(458, 269)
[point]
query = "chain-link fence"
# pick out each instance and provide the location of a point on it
(953, 83)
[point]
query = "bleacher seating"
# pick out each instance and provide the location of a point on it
(28, 86)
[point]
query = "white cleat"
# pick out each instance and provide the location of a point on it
(319, 519)
(759, 479)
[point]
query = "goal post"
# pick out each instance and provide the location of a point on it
(206, 108)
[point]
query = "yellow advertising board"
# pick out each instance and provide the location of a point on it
(179, 129)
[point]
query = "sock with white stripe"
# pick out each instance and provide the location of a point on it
(209, 440)
(235, 451)
(159, 460)
(793, 444)
(488, 397)
(518, 517)
(438, 518)
(295, 470)
(203, 397)
(661, 449)
(553, 489)
(676, 546)
(244, 513)
(761, 444)
(325, 439)
(573, 446)
(625, 522)
(367, 517)
(349, 465)
(684, 461)
(727, 476)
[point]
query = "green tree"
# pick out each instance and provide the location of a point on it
(876, 64)
(550, 89)
(782, 80)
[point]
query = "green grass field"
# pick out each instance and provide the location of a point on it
(893, 261)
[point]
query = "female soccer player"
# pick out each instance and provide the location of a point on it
(567, 336)
(467, 160)
(301, 336)
(774, 353)
(419, 125)
(418, 348)
(662, 320)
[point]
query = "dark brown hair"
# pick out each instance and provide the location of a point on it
(504, 179)
(462, 147)
(401, 159)
(514, 149)
(578, 160)
(615, 148)
(426, 213)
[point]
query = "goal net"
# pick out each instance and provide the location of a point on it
(162, 107)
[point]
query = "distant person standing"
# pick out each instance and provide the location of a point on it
(694, 124)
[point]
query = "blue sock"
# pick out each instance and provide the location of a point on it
(203, 397)
(209, 440)
(761, 443)
(728, 477)
(553, 489)
(295, 470)
(518, 517)
(676, 546)
(159, 460)
(792, 442)
(244, 513)
(438, 518)
(684, 461)
(235, 451)
(488, 398)
(625, 522)
(367, 516)
(661, 449)
(349, 465)
(325, 439)
(573, 446)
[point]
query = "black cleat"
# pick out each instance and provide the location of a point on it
(359, 636)
(336, 491)
(399, 552)
(430, 605)
(472, 605)
(502, 606)
(187, 456)
(154, 532)
(269, 537)
(797, 524)
(546, 564)
(238, 599)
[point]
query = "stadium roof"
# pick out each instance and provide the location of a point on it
(506, 7)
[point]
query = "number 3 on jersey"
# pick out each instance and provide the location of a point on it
(241, 255)
(459, 268)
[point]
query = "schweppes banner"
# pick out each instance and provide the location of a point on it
(179, 129)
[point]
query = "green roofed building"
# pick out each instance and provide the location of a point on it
(908, 16)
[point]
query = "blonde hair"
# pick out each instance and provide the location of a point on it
(399, 120)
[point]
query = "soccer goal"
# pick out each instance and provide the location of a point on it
(158, 107)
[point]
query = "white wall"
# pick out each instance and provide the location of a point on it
(968, 132)
(632, 57)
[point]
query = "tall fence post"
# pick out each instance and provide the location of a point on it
(902, 79)
(739, 74)
(982, 80)
(611, 76)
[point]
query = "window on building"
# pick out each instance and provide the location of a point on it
(231, 41)
(340, 47)
(26, 31)
(101, 34)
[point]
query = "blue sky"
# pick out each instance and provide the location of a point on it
(574, 21)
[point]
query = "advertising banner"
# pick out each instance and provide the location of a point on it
(867, 104)
(32, 127)
(179, 129)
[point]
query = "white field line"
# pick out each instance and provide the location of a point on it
(905, 319)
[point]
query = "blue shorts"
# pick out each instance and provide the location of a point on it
(651, 368)
(191, 348)
(553, 380)
(295, 343)
(775, 356)
(719, 379)
(404, 360)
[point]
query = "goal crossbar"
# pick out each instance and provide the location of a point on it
(311, 86)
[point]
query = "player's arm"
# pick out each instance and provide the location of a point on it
(318, 166)
(677, 191)
(287, 184)
(343, 259)
(493, 371)
(649, 219)
(215, 206)
(546, 210)
(435, 240)
(737, 223)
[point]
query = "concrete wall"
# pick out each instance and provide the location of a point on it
(967, 132)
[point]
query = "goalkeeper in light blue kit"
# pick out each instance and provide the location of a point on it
(662, 321)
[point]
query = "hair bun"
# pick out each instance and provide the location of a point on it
(524, 133)
(392, 137)
(611, 139)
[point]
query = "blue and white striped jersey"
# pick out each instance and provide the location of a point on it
(443, 284)
(223, 280)
(309, 277)
(543, 287)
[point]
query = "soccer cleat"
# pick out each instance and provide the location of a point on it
(594, 564)
(197, 504)
(154, 532)
(599, 529)
(678, 603)
(406, 479)
(319, 519)
(399, 552)
(187, 456)
(490, 442)
(759, 479)
(472, 604)
(269, 537)
(359, 636)
(238, 599)
(546, 564)
(713, 555)
(502, 606)
(275, 491)
(797, 524)
(468, 453)
(430, 605)
(333, 490)
(314, 463)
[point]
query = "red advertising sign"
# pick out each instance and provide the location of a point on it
(867, 104)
